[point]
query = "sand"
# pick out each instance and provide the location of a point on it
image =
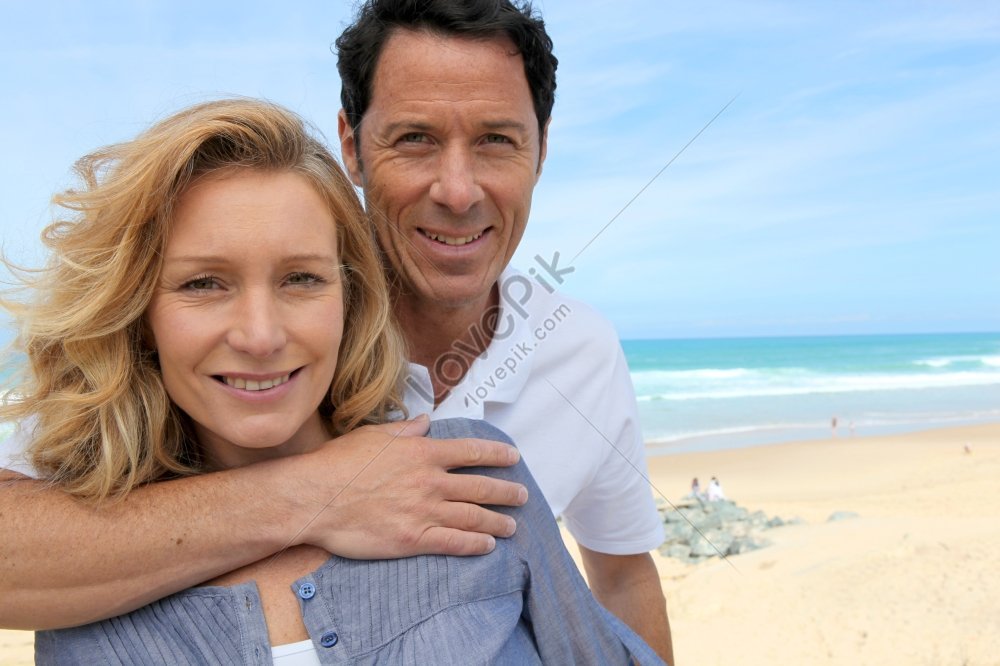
(914, 579)
(16, 648)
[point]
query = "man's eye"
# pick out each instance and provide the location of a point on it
(496, 138)
(413, 137)
(203, 283)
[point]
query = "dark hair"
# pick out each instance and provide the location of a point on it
(360, 45)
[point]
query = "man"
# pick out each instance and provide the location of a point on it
(444, 126)
(447, 236)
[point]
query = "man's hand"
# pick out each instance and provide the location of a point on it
(378, 492)
(385, 491)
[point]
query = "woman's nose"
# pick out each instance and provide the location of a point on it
(257, 327)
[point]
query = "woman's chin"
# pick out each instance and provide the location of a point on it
(240, 451)
(259, 439)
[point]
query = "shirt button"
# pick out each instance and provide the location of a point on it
(307, 591)
(329, 639)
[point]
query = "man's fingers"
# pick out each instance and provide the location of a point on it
(447, 541)
(404, 499)
(473, 518)
(454, 453)
(446, 453)
(478, 489)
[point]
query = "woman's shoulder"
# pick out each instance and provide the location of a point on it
(198, 624)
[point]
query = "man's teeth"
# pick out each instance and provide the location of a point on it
(453, 240)
(251, 385)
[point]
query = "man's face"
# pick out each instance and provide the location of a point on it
(449, 156)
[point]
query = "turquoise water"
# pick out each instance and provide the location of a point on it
(721, 393)
(704, 394)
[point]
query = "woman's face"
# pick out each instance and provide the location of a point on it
(248, 314)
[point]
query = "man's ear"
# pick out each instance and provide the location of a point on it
(349, 148)
(543, 148)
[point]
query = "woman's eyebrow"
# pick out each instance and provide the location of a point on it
(220, 259)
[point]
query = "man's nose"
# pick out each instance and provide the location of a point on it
(456, 185)
(257, 327)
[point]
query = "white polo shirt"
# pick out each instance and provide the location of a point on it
(14, 441)
(554, 378)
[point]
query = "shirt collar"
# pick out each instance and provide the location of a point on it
(498, 375)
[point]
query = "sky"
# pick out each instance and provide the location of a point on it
(851, 185)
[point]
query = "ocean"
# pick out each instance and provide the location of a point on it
(706, 394)
(725, 393)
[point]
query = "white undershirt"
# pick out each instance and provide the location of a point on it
(302, 653)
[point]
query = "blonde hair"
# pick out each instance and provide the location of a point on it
(104, 423)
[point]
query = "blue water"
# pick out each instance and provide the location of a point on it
(724, 393)
(719, 393)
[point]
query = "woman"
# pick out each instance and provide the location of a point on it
(220, 301)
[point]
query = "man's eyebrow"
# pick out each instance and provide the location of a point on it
(420, 126)
(505, 125)
(408, 125)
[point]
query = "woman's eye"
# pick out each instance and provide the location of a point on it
(204, 283)
(303, 278)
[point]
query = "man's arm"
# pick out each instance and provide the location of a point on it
(377, 492)
(629, 586)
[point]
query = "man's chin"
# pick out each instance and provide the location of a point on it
(461, 298)
(458, 292)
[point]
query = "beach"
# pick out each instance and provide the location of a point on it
(913, 579)
(16, 648)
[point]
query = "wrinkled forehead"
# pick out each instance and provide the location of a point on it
(407, 53)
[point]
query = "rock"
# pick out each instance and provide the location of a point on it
(740, 529)
(679, 532)
(671, 515)
(728, 511)
(696, 531)
(745, 545)
(719, 541)
(702, 548)
(841, 515)
(758, 518)
(694, 516)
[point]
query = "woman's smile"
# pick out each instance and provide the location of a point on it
(255, 384)
(248, 314)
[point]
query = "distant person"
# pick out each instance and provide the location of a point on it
(715, 493)
(833, 427)
(695, 489)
